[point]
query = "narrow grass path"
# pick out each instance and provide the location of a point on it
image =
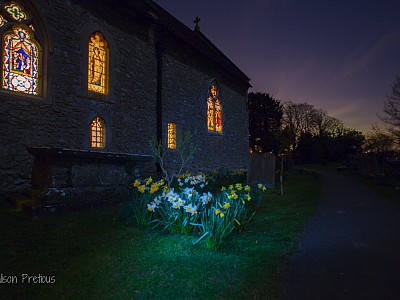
(94, 256)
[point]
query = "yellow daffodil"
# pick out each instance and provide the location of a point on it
(247, 188)
(149, 181)
(239, 186)
(223, 189)
(136, 183)
(248, 197)
(231, 187)
(142, 188)
(221, 214)
(217, 211)
(227, 205)
(154, 188)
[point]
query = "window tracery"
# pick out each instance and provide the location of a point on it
(97, 133)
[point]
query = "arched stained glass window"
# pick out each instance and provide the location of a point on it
(21, 55)
(21, 61)
(98, 64)
(214, 109)
(97, 133)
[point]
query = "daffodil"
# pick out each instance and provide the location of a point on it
(247, 188)
(226, 205)
(151, 207)
(142, 188)
(238, 186)
(154, 188)
(205, 198)
(223, 189)
(193, 210)
(149, 181)
(181, 202)
(190, 209)
(136, 183)
(221, 214)
(217, 211)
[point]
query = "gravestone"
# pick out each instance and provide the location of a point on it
(261, 169)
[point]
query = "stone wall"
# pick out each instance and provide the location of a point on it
(62, 118)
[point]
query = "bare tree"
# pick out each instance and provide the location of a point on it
(185, 149)
(391, 111)
(378, 141)
(324, 125)
(297, 120)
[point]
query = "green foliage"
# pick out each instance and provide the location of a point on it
(191, 205)
(143, 200)
(93, 256)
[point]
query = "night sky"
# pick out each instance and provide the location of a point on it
(341, 56)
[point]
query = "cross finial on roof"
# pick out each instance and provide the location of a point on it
(196, 21)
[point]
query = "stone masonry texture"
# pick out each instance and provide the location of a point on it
(60, 118)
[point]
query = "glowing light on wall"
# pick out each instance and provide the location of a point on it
(171, 138)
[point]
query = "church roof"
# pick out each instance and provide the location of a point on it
(150, 12)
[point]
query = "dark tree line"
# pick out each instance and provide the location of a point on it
(299, 129)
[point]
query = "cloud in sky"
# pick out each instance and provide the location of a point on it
(340, 56)
(361, 61)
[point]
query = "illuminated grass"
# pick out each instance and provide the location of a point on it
(94, 256)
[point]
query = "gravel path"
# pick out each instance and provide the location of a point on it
(350, 249)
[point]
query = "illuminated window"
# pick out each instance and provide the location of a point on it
(15, 11)
(21, 58)
(21, 52)
(2, 21)
(97, 134)
(171, 136)
(98, 64)
(214, 109)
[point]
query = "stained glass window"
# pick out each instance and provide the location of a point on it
(2, 21)
(15, 12)
(20, 61)
(214, 109)
(171, 136)
(98, 64)
(97, 133)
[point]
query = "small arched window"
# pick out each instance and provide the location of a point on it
(97, 133)
(214, 108)
(98, 63)
(21, 60)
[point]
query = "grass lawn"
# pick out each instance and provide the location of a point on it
(389, 191)
(95, 256)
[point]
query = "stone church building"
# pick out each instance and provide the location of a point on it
(86, 84)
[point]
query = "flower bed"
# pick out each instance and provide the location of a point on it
(193, 205)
